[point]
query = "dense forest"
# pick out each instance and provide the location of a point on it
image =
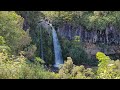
(59, 44)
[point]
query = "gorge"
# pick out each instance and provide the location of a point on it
(59, 44)
(94, 37)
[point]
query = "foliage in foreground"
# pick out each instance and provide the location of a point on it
(71, 71)
(18, 67)
(107, 69)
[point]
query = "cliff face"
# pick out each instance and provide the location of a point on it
(107, 40)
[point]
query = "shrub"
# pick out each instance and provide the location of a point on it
(16, 67)
(71, 71)
(107, 68)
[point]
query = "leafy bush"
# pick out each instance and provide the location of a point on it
(3, 47)
(2, 41)
(39, 60)
(75, 50)
(29, 52)
(11, 30)
(107, 68)
(16, 67)
(36, 71)
(71, 71)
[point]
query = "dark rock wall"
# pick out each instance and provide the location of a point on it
(109, 37)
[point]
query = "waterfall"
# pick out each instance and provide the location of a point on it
(57, 48)
(56, 44)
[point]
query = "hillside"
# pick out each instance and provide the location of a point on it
(59, 44)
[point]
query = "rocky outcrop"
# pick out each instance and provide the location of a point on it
(109, 37)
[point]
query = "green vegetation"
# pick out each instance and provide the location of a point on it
(18, 67)
(35, 31)
(11, 30)
(22, 40)
(89, 19)
(75, 50)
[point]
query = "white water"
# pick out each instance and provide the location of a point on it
(57, 48)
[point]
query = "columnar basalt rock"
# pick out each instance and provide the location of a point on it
(109, 36)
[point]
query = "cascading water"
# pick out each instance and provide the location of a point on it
(57, 48)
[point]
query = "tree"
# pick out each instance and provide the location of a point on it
(107, 68)
(11, 30)
(70, 71)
